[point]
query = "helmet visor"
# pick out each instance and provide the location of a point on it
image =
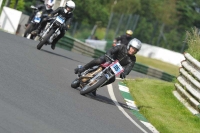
(69, 9)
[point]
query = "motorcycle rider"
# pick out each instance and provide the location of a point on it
(124, 39)
(125, 54)
(46, 8)
(66, 12)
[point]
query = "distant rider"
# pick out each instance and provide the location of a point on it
(66, 12)
(46, 8)
(123, 39)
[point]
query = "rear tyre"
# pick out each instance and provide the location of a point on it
(90, 88)
(45, 39)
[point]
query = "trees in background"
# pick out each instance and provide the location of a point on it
(159, 22)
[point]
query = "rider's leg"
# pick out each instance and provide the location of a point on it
(92, 63)
(30, 18)
(53, 44)
(42, 25)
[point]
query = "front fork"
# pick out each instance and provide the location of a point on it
(102, 73)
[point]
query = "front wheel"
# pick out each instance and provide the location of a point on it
(92, 86)
(45, 39)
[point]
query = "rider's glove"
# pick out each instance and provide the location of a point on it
(66, 27)
(122, 75)
(114, 43)
(49, 15)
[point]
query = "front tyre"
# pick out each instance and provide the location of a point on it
(45, 39)
(90, 87)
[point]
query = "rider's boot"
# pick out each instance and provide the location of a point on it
(87, 66)
(35, 32)
(53, 45)
(79, 70)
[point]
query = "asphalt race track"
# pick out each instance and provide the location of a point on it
(36, 96)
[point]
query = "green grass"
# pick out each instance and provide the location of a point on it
(156, 102)
(160, 65)
(193, 41)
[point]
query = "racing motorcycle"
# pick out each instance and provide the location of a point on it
(97, 76)
(51, 31)
(34, 23)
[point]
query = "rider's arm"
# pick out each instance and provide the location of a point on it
(56, 11)
(130, 65)
(113, 50)
(128, 68)
(68, 22)
(40, 6)
(118, 38)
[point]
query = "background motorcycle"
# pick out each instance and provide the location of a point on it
(51, 31)
(35, 22)
(97, 76)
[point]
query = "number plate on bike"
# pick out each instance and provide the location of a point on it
(116, 68)
(59, 19)
(37, 19)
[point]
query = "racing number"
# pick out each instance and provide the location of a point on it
(116, 67)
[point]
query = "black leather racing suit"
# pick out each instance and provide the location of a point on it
(40, 7)
(124, 39)
(58, 12)
(119, 53)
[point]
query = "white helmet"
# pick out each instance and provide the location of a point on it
(71, 5)
(50, 4)
(135, 43)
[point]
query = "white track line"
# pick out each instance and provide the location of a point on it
(112, 96)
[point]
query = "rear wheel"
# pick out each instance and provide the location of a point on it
(45, 39)
(92, 86)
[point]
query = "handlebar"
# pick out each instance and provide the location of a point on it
(33, 7)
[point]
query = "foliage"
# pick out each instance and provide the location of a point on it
(20, 4)
(27, 10)
(193, 41)
(127, 6)
(177, 16)
(89, 12)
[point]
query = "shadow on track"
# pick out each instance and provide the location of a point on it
(61, 56)
(104, 99)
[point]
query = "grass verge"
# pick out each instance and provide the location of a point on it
(160, 65)
(156, 102)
